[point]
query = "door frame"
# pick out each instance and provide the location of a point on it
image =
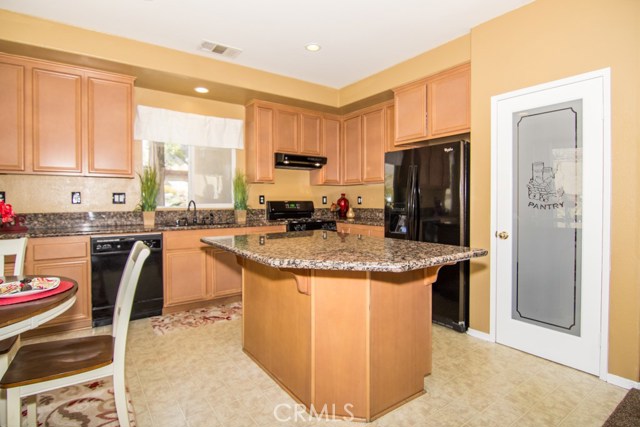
(605, 76)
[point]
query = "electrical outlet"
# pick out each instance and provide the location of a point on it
(261, 199)
(324, 200)
(118, 198)
(75, 198)
(2, 197)
(359, 200)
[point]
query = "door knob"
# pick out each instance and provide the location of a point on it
(503, 235)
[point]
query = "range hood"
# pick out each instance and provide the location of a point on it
(298, 161)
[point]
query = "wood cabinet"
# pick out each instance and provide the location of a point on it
(68, 257)
(310, 134)
(373, 145)
(196, 273)
(287, 131)
(332, 150)
(259, 143)
(434, 107)
(65, 120)
(352, 150)
(361, 229)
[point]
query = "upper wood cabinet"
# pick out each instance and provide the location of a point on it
(434, 107)
(332, 150)
(64, 120)
(373, 145)
(310, 134)
(352, 150)
(287, 131)
(259, 143)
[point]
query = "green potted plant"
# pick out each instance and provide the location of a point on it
(149, 188)
(240, 197)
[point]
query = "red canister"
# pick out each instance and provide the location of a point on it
(343, 205)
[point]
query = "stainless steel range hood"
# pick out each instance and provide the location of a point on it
(298, 161)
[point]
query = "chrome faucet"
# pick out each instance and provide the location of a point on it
(195, 212)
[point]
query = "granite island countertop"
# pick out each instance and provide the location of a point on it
(329, 250)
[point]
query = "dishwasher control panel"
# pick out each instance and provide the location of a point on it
(103, 245)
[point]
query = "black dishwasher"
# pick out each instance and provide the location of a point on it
(108, 258)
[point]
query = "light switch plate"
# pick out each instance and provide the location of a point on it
(324, 200)
(261, 199)
(118, 198)
(2, 197)
(359, 200)
(76, 199)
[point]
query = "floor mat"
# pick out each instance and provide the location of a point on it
(193, 318)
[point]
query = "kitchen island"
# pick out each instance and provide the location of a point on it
(342, 322)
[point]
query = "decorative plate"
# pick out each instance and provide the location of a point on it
(37, 285)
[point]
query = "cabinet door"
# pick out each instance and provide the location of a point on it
(286, 131)
(57, 120)
(110, 139)
(185, 276)
(352, 159)
(259, 147)
(329, 173)
(226, 274)
(449, 103)
(77, 270)
(310, 134)
(12, 118)
(411, 113)
(373, 143)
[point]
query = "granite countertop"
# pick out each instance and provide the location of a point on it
(328, 250)
(127, 229)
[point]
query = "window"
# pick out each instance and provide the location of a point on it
(189, 172)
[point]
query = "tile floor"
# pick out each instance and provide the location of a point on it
(201, 378)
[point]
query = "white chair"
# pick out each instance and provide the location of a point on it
(49, 365)
(13, 247)
(8, 248)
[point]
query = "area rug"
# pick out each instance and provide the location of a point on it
(84, 405)
(627, 413)
(193, 318)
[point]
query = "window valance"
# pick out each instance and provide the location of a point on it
(160, 125)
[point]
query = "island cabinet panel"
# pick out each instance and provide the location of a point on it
(57, 120)
(277, 332)
(67, 257)
(310, 134)
(399, 320)
(330, 174)
(352, 150)
(110, 139)
(287, 131)
(12, 119)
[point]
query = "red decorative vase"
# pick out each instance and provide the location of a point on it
(343, 206)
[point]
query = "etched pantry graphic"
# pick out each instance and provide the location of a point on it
(541, 188)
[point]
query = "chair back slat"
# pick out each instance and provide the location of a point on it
(13, 247)
(124, 298)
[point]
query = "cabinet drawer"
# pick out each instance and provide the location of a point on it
(189, 239)
(60, 250)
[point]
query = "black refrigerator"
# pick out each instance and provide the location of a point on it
(427, 199)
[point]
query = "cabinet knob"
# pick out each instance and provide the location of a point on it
(503, 235)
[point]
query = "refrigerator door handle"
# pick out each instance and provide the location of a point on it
(411, 204)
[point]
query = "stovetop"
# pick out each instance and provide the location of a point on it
(298, 215)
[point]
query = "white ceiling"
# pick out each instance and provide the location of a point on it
(358, 37)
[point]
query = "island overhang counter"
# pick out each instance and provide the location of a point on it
(342, 322)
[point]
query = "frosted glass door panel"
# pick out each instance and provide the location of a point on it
(547, 239)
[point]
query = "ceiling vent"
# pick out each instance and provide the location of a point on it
(219, 49)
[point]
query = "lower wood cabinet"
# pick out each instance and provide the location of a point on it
(195, 272)
(364, 230)
(69, 257)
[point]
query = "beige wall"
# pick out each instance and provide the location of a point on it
(545, 41)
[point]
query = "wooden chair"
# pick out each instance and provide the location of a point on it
(10, 248)
(40, 367)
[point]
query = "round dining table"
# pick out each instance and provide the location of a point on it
(24, 316)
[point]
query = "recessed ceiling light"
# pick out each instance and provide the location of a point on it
(313, 47)
(201, 89)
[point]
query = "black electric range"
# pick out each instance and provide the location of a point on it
(298, 215)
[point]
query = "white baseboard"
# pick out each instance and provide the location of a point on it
(480, 335)
(622, 382)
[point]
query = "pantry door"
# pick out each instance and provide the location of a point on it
(550, 183)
